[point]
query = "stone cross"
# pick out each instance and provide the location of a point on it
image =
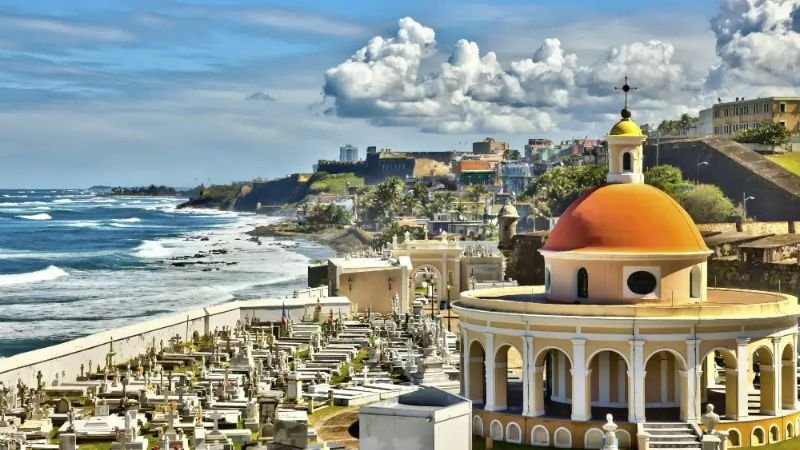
(215, 416)
(39, 381)
(82, 369)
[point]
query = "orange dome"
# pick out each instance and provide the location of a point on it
(630, 218)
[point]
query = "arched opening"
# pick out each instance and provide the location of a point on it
(788, 378)
(477, 426)
(627, 163)
(608, 384)
(562, 438)
(789, 430)
(547, 279)
(513, 433)
(695, 282)
(477, 374)
(583, 283)
(757, 437)
(552, 383)
(496, 430)
(540, 436)
(663, 387)
(774, 434)
(718, 384)
(427, 282)
(734, 438)
(761, 398)
(593, 438)
(623, 439)
(508, 379)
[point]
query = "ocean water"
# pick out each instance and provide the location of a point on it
(74, 263)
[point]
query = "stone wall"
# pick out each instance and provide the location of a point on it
(133, 340)
(754, 228)
(770, 277)
(736, 170)
(526, 264)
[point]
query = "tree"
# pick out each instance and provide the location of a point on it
(554, 190)
(707, 204)
(767, 132)
(328, 214)
(667, 178)
(476, 191)
(512, 155)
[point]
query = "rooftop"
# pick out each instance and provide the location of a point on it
(778, 240)
(732, 237)
(721, 304)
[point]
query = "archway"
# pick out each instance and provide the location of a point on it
(608, 384)
(788, 378)
(582, 283)
(761, 399)
(664, 390)
(426, 280)
(477, 426)
(477, 373)
(719, 382)
(553, 383)
(508, 379)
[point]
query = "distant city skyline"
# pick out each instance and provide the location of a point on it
(180, 92)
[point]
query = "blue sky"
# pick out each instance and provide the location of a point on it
(131, 92)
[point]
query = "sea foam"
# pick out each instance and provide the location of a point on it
(130, 220)
(40, 216)
(50, 273)
(151, 249)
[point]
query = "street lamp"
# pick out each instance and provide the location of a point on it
(745, 198)
(699, 165)
(449, 311)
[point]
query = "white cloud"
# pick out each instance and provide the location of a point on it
(758, 43)
(474, 92)
(70, 32)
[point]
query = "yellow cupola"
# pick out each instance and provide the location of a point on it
(625, 151)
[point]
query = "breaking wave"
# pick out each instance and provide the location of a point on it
(40, 216)
(50, 273)
(151, 249)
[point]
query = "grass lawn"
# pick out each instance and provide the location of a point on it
(789, 161)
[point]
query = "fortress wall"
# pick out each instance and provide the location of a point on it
(133, 340)
(755, 228)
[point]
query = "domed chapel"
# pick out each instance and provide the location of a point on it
(626, 324)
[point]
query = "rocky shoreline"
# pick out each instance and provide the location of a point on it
(340, 239)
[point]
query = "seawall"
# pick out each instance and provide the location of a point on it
(131, 341)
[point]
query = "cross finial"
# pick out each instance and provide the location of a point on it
(626, 88)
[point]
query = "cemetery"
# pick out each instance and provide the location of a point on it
(259, 383)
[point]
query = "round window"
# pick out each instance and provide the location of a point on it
(642, 282)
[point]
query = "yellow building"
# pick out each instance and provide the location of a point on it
(626, 324)
(730, 117)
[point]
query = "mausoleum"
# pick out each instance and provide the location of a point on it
(626, 324)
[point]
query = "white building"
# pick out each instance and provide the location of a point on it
(348, 153)
(429, 418)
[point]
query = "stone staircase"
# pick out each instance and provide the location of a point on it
(672, 435)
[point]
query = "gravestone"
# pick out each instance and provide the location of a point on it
(62, 406)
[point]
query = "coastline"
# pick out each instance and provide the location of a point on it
(341, 239)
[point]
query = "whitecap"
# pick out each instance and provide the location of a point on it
(62, 200)
(40, 216)
(129, 220)
(151, 249)
(83, 223)
(50, 273)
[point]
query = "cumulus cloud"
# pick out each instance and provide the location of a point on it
(474, 92)
(758, 43)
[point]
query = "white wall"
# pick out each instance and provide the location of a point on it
(134, 340)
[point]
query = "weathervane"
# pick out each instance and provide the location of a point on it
(626, 88)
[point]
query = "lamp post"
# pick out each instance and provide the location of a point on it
(449, 311)
(699, 165)
(745, 198)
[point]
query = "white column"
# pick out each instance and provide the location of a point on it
(465, 361)
(693, 371)
(793, 378)
(636, 405)
(580, 410)
(528, 378)
(664, 369)
(777, 381)
(489, 372)
(742, 387)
